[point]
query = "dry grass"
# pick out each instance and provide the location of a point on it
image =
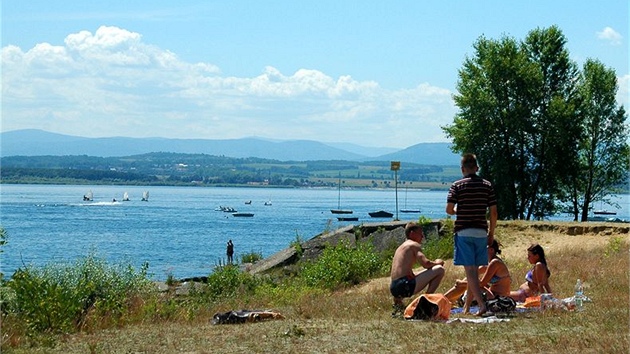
(358, 319)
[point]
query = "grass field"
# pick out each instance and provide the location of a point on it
(358, 319)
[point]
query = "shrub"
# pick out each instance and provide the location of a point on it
(251, 257)
(442, 246)
(297, 245)
(59, 297)
(342, 265)
(229, 280)
(614, 246)
(423, 220)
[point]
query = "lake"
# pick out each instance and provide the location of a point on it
(178, 231)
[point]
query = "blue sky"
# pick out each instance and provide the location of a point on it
(368, 73)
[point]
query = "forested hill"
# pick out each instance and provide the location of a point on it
(201, 169)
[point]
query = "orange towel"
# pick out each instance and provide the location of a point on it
(429, 307)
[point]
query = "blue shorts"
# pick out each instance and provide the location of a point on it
(470, 251)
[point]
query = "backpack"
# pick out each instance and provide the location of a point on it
(501, 304)
(428, 307)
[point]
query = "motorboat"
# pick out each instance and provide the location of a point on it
(381, 214)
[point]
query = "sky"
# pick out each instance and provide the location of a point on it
(371, 73)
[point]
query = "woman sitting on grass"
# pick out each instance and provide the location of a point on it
(537, 278)
(496, 280)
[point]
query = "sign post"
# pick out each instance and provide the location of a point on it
(395, 166)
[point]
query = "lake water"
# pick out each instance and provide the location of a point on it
(178, 231)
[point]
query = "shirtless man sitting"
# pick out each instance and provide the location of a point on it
(404, 282)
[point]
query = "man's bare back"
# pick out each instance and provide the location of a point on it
(404, 259)
(404, 282)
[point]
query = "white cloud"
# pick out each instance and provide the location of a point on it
(111, 83)
(610, 35)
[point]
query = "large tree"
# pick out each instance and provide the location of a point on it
(604, 155)
(521, 111)
(483, 124)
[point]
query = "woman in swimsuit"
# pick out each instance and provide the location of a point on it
(496, 280)
(537, 278)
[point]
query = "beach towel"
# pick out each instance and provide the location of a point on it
(428, 307)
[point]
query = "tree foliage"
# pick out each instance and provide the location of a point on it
(523, 110)
(603, 157)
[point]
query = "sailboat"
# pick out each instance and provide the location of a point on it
(125, 197)
(88, 197)
(145, 196)
(339, 210)
(405, 210)
(602, 211)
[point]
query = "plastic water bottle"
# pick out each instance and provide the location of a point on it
(579, 295)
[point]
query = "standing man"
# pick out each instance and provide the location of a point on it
(404, 283)
(230, 252)
(470, 198)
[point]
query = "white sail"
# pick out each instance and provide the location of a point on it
(145, 196)
(125, 197)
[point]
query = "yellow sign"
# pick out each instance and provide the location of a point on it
(395, 165)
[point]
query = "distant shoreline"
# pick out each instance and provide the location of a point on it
(429, 186)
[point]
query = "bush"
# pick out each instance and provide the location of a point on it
(251, 257)
(342, 265)
(59, 297)
(227, 281)
(297, 245)
(441, 246)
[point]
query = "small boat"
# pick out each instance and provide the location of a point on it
(125, 197)
(348, 218)
(339, 210)
(410, 210)
(243, 215)
(225, 209)
(88, 197)
(268, 202)
(604, 212)
(145, 196)
(381, 214)
(248, 202)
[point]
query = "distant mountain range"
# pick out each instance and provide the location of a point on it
(32, 142)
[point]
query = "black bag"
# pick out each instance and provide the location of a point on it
(243, 316)
(501, 304)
